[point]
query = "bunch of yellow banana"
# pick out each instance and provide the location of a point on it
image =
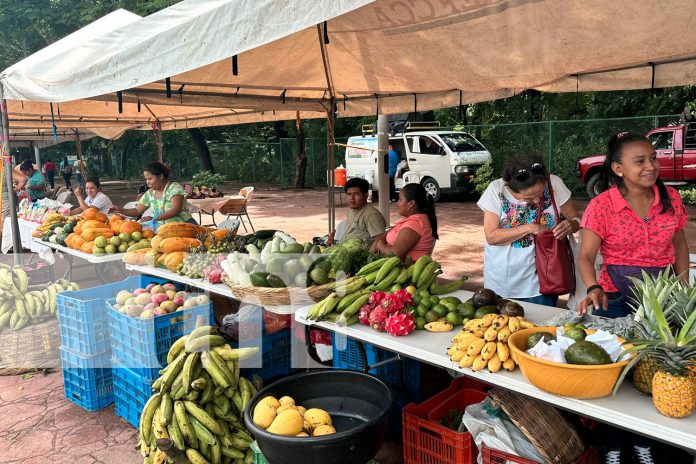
(20, 305)
(196, 416)
(483, 342)
(51, 219)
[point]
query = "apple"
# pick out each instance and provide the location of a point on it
(122, 296)
(157, 289)
(147, 314)
(133, 310)
(181, 294)
(160, 311)
(149, 287)
(179, 308)
(138, 291)
(178, 300)
(150, 305)
(159, 298)
(170, 294)
(168, 306)
(117, 306)
(202, 299)
(142, 299)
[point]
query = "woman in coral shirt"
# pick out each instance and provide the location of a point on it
(636, 224)
(415, 234)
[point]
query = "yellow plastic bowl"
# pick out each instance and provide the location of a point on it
(572, 380)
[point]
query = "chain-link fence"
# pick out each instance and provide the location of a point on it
(561, 143)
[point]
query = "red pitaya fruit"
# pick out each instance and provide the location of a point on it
(392, 304)
(364, 314)
(378, 317)
(376, 298)
(399, 324)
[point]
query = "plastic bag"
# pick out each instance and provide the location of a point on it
(488, 424)
(153, 224)
(620, 326)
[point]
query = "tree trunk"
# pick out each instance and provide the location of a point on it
(202, 150)
(300, 155)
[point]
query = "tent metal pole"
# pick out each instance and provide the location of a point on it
(382, 175)
(330, 120)
(7, 166)
(37, 155)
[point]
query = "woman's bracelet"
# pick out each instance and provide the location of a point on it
(592, 288)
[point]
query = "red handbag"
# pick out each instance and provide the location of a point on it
(554, 258)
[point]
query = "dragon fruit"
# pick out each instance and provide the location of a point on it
(399, 324)
(378, 318)
(364, 314)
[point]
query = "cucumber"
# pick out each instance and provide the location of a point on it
(264, 234)
(259, 279)
(275, 281)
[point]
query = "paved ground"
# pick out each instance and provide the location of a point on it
(37, 423)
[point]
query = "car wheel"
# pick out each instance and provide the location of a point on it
(432, 188)
(593, 186)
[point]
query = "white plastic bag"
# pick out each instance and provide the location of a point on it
(497, 433)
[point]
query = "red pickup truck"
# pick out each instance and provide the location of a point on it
(676, 152)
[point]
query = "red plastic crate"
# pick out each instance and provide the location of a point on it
(491, 456)
(426, 441)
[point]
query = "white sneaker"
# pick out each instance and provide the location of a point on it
(612, 457)
(643, 454)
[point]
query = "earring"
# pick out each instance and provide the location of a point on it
(620, 174)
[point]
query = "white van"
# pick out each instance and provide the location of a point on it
(441, 161)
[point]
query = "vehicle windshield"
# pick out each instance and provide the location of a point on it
(460, 141)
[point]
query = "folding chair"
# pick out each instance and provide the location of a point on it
(230, 209)
(63, 196)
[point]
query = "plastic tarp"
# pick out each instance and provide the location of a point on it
(386, 56)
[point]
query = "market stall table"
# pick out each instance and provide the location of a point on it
(102, 263)
(25, 230)
(629, 410)
(219, 289)
(210, 205)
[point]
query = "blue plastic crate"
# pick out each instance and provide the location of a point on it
(83, 314)
(402, 376)
(142, 344)
(276, 352)
(131, 392)
(87, 380)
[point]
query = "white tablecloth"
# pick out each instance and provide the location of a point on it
(25, 230)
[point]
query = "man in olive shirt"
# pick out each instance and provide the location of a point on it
(363, 221)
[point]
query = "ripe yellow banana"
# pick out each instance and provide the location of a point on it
(504, 334)
(514, 324)
(439, 326)
(509, 365)
(500, 321)
(490, 334)
(494, 364)
(502, 351)
(489, 349)
(475, 347)
(525, 324)
(467, 361)
(458, 355)
(488, 319)
(479, 364)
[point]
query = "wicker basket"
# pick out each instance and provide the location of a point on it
(264, 296)
(33, 347)
(549, 432)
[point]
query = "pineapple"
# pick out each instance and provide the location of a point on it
(674, 391)
(643, 373)
(665, 335)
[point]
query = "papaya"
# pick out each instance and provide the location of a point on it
(172, 260)
(93, 213)
(78, 227)
(178, 229)
(91, 234)
(116, 225)
(147, 233)
(93, 224)
(155, 241)
(129, 227)
(169, 245)
(136, 257)
(152, 257)
(87, 247)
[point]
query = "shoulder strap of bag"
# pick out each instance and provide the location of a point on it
(553, 200)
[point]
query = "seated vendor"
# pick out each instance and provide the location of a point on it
(95, 198)
(36, 182)
(166, 199)
(363, 221)
(415, 234)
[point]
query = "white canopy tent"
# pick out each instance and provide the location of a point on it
(209, 62)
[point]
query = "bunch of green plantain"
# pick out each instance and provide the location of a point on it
(20, 305)
(196, 414)
(387, 274)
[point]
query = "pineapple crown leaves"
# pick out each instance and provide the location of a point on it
(655, 303)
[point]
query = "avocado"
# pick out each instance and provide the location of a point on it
(483, 310)
(501, 302)
(466, 310)
(511, 308)
(484, 297)
(536, 336)
(586, 353)
(275, 281)
(259, 279)
(575, 333)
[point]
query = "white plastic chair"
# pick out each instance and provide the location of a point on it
(231, 224)
(63, 197)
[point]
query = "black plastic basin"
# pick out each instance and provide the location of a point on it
(358, 404)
